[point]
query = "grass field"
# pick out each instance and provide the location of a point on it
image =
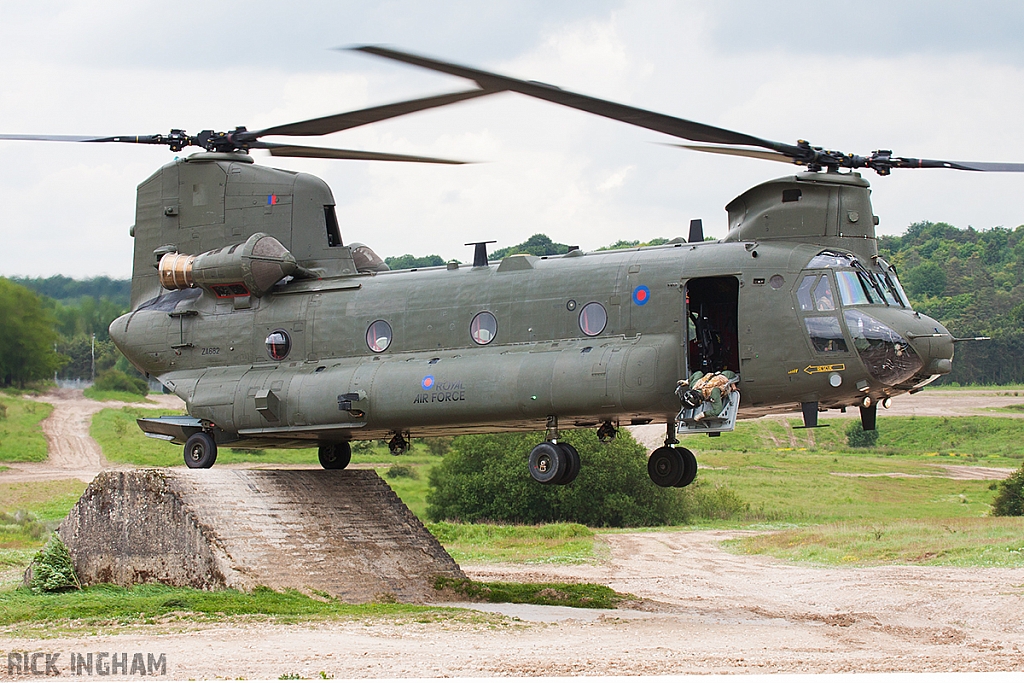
(21, 437)
(782, 477)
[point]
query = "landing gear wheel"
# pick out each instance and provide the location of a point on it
(547, 463)
(572, 462)
(689, 467)
(200, 451)
(666, 466)
(335, 456)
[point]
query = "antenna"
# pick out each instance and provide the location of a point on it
(480, 253)
(696, 231)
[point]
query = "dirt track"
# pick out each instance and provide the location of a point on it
(706, 612)
(703, 611)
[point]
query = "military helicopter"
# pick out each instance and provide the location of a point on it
(248, 305)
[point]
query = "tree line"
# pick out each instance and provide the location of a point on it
(971, 280)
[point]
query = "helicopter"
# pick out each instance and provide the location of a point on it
(247, 303)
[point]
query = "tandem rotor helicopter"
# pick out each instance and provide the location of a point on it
(248, 305)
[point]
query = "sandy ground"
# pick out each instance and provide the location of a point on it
(702, 610)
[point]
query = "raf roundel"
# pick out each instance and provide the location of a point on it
(641, 295)
(427, 383)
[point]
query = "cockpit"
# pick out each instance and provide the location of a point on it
(835, 292)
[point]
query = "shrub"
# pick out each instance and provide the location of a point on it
(52, 570)
(401, 472)
(856, 437)
(115, 380)
(1009, 501)
(485, 477)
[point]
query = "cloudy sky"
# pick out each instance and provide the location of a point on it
(936, 79)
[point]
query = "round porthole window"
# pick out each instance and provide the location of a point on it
(378, 336)
(593, 319)
(483, 328)
(278, 344)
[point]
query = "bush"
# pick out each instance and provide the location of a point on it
(401, 472)
(115, 380)
(856, 437)
(52, 570)
(1009, 501)
(485, 477)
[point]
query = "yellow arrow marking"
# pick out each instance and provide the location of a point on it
(812, 369)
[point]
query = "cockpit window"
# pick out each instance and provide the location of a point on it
(899, 289)
(882, 286)
(803, 295)
(823, 300)
(831, 259)
(826, 334)
(851, 288)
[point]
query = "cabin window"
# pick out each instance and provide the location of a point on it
(378, 336)
(278, 344)
(593, 319)
(483, 328)
(826, 334)
(333, 231)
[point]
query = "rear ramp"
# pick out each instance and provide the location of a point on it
(340, 531)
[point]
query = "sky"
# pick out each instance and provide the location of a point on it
(939, 79)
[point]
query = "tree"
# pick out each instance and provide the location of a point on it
(485, 478)
(538, 245)
(28, 336)
(410, 261)
(927, 279)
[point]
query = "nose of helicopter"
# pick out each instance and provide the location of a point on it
(933, 343)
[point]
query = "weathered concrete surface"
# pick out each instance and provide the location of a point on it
(340, 531)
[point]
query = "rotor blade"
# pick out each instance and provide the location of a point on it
(903, 162)
(331, 153)
(662, 123)
(141, 139)
(353, 119)
(738, 151)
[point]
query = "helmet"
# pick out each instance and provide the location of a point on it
(693, 398)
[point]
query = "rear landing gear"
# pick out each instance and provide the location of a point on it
(672, 467)
(335, 456)
(200, 451)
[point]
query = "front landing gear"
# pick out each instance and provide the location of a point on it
(672, 467)
(200, 451)
(335, 456)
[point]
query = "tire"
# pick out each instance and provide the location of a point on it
(335, 456)
(666, 467)
(572, 462)
(547, 463)
(200, 451)
(689, 467)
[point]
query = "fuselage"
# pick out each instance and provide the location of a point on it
(582, 337)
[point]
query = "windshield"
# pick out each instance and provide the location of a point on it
(859, 285)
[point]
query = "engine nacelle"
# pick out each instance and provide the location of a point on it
(250, 268)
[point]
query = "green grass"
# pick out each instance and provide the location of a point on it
(1015, 408)
(146, 604)
(993, 542)
(977, 437)
(545, 544)
(590, 595)
(39, 507)
(806, 488)
(21, 436)
(111, 395)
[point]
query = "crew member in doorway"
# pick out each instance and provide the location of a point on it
(701, 388)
